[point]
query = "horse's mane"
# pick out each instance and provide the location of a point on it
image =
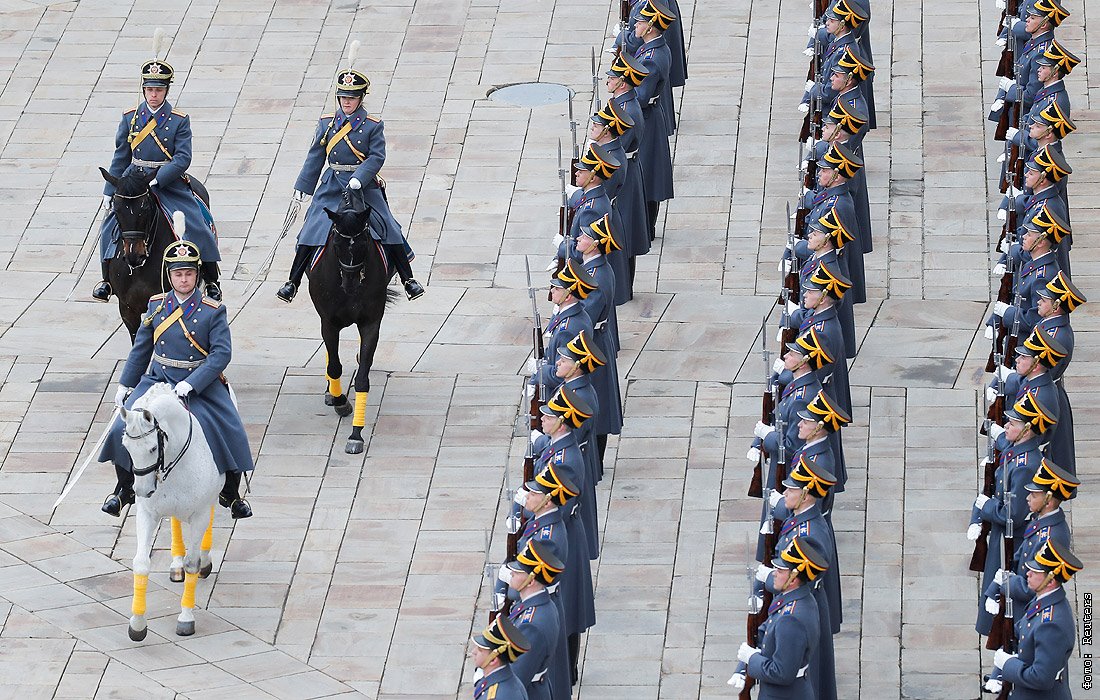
(133, 184)
(159, 390)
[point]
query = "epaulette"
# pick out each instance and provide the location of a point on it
(156, 297)
(129, 111)
(211, 302)
(492, 691)
(179, 113)
(804, 529)
(374, 118)
(788, 609)
(1048, 614)
(546, 532)
(328, 116)
(559, 457)
(527, 615)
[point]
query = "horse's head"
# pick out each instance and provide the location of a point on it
(146, 438)
(136, 212)
(351, 243)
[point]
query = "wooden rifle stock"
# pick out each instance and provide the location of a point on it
(756, 485)
(1008, 118)
(1006, 67)
(804, 132)
(624, 11)
(981, 550)
(752, 634)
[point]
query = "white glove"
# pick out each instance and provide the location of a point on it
(999, 308)
(994, 685)
(1006, 83)
(778, 366)
(1000, 4)
(121, 394)
(995, 430)
(803, 107)
(183, 389)
(999, 269)
(107, 202)
(762, 574)
(531, 366)
(766, 527)
(1001, 158)
(792, 307)
(1012, 191)
(1000, 657)
(992, 607)
(974, 532)
(810, 85)
(756, 603)
(997, 106)
(528, 392)
(984, 462)
(153, 182)
(558, 240)
(753, 455)
(1002, 214)
(535, 435)
(980, 500)
(1004, 372)
(504, 574)
(808, 51)
(811, 31)
(761, 430)
(737, 680)
(354, 184)
(1011, 132)
(779, 338)
(299, 196)
(1002, 42)
(1004, 246)
(990, 394)
(1013, 23)
(745, 652)
(999, 577)
(520, 497)
(775, 498)
(989, 332)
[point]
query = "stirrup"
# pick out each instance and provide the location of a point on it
(413, 289)
(102, 291)
(213, 291)
(287, 292)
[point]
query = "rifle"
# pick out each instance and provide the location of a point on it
(1014, 336)
(1010, 113)
(565, 215)
(1003, 633)
(753, 621)
(811, 125)
(1006, 67)
(514, 524)
(596, 107)
(791, 286)
(539, 351)
(488, 570)
(767, 408)
(576, 144)
(624, 14)
(981, 545)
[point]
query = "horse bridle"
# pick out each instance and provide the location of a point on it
(162, 469)
(350, 267)
(146, 235)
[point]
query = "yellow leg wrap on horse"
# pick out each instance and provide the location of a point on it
(334, 386)
(208, 536)
(189, 581)
(141, 585)
(178, 550)
(359, 418)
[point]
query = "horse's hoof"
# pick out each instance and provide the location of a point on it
(354, 447)
(205, 570)
(330, 400)
(137, 635)
(185, 629)
(343, 409)
(175, 574)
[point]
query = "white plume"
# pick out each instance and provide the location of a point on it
(158, 42)
(179, 223)
(353, 53)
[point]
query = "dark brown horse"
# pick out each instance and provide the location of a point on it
(145, 233)
(349, 286)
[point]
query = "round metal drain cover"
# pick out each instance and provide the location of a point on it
(530, 94)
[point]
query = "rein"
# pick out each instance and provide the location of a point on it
(162, 469)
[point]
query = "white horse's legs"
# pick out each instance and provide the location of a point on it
(175, 572)
(193, 535)
(205, 564)
(145, 525)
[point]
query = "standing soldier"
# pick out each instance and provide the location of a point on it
(1056, 300)
(625, 74)
(820, 294)
(789, 637)
(493, 652)
(535, 568)
(590, 202)
(352, 143)
(1053, 65)
(609, 128)
(155, 140)
(825, 242)
(1036, 357)
(567, 289)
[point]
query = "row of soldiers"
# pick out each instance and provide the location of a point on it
(1018, 524)
(798, 455)
(543, 595)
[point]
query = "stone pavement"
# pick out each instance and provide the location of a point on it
(361, 575)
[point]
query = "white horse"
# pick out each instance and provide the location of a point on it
(174, 475)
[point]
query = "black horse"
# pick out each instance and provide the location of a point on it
(145, 233)
(349, 286)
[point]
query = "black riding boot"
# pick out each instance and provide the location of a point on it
(123, 495)
(230, 497)
(574, 656)
(210, 277)
(397, 257)
(652, 209)
(102, 291)
(302, 254)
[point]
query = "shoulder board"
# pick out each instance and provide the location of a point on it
(527, 616)
(559, 457)
(1044, 532)
(492, 691)
(374, 118)
(330, 115)
(803, 528)
(788, 608)
(800, 392)
(211, 303)
(157, 297)
(130, 111)
(545, 532)
(1021, 459)
(1048, 614)
(179, 113)
(819, 326)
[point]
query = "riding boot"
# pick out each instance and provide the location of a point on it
(210, 277)
(574, 641)
(652, 210)
(230, 497)
(395, 252)
(102, 291)
(123, 495)
(302, 254)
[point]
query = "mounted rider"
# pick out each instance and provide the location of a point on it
(352, 143)
(154, 140)
(184, 340)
